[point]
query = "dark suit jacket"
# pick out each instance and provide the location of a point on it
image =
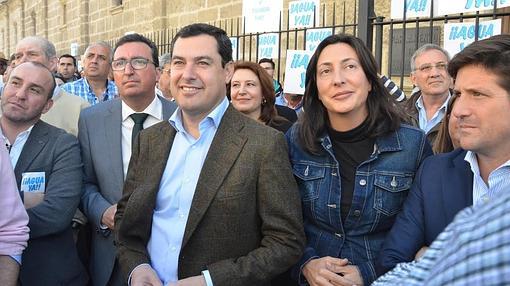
(99, 134)
(443, 186)
(51, 257)
(245, 223)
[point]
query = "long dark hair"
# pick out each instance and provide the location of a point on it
(383, 116)
(443, 142)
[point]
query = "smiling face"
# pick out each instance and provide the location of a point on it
(26, 94)
(197, 79)
(246, 92)
(342, 85)
(431, 75)
(482, 112)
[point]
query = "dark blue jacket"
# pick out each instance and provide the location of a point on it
(382, 185)
(443, 186)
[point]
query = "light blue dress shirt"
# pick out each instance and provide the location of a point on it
(427, 125)
(176, 192)
(498, 182)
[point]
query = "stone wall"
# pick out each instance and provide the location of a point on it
(84, 21)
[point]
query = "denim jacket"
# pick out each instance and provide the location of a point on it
(382, 185)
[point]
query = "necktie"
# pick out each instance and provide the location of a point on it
(138, 118)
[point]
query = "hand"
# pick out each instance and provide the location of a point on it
(108, 217)
(350, 276)
(31, 199)
(144, 275)
(420, 252)
(323, 271)
(190, 281)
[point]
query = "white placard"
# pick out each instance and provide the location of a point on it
(458, 35)
(33, 182)
(268, 46)
(234, 42)
(415, 8)
(295, 71)
(442, 8)
(74, 49)
(315, 36)
(262, 15)
(301, 13)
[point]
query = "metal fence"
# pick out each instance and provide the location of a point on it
(392, 41)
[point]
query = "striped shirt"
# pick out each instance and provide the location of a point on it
(498, 182)
(473, 250)
(393, 88)
(82, 89)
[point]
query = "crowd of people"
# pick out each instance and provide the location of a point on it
(193, 169)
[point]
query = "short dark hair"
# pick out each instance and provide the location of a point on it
(266, 60)
(197, 29)
(492, 53)
(383, 116)
(131, 38)
(69, 56)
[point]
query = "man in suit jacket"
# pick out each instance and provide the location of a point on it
(447, 183)
(47, 166)
(105, 134)
(209, 197)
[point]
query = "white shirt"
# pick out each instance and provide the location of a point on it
(17, 146)
(499, 180)
(155, 116)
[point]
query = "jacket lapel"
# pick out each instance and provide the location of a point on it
(113, 123)
(458, 187)
(224, 150)
(35, 143)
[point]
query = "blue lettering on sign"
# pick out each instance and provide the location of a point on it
(465, 33)
(303, 20)
(34, 187)
(266, 52)
(482, 3)
(416, 5)
(303, 78)
(301, 7)
(318, 36)
(300, 61)
(267, 40)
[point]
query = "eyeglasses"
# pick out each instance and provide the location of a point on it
(136, 63)
(428, 67)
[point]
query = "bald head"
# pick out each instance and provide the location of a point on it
(36, 49)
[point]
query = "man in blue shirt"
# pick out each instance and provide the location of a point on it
(428, 106)
(209, 197)
(474, 175)
(95, 87)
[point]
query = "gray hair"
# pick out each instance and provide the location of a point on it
(47, 46)
(104, 45)
(165, 59)
(425, 48)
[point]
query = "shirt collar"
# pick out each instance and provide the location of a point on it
(154, 109)
(215, 116)
(473, 163)
(21, 135)
(444, 106)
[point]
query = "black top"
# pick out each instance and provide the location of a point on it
(351, 148)
(281, 124)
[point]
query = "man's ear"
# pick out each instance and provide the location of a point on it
(229, 72)
(48, 105)
(53, 64)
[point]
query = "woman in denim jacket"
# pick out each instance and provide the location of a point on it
(354, 162)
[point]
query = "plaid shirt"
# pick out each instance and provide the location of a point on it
(82, 89)
(473, 250)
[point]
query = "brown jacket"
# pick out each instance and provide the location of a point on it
(245, 223)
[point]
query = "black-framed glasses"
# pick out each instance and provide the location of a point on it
(136, 63)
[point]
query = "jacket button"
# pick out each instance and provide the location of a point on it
(338, 235)
(362, 182)
(357, 213)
